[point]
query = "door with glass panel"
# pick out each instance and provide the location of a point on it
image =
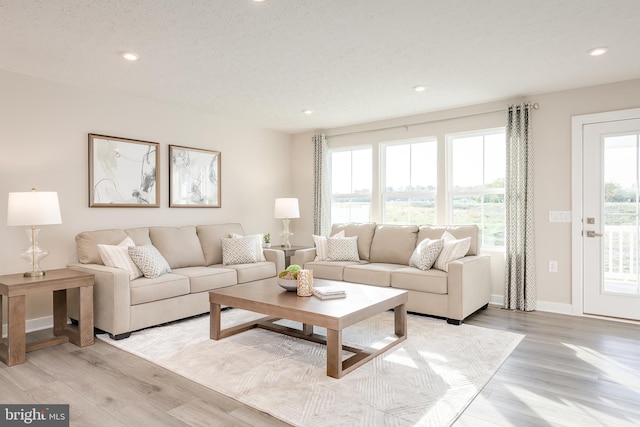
(611, 219)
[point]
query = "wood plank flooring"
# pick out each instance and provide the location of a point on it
(568, 371)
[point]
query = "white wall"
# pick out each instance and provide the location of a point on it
(551, 130)
(43, 141)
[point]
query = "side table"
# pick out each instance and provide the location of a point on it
(15, 287)
(289, 252)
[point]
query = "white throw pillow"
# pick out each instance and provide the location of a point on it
(342, 249)
(118, 257)
(452, 250)
(321, 245)
(426, 253)
(257, 243)
(149, 260)
(238, 250)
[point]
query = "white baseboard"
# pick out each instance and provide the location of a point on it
(32, 325)
(551, 307)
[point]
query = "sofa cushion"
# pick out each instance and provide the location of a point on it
(411, 279)
(180, 246)
(364, 232)
(257, 243)
(327, 269)
(320, 242)
(458, 231)
(87, 244)
(238, 251)
(426, 253)
(118, 256)
(378, 274)
(255, 271)
(393, 244)
(210, 235)
(452, 250)
(202, 279)
(145, 290)
(342, 249)
(149, 260)
(139, 235)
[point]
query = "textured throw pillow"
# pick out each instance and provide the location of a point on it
(321, 245)
(452, 250)
(426, 253)
(342, 249)
(238, 250)
(257, 243)
(118, 257)
(149, 260)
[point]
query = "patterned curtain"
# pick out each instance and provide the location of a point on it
(520, 277)
(321, 200)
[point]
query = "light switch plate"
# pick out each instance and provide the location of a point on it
(559, 216)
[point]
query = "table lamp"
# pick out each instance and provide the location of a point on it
(286, 208)
(33, 208)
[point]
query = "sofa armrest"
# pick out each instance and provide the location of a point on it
(303, 256)
(469, 285)
(111, 297)
(275, 256)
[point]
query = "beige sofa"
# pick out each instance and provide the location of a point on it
(384, 252)
(194, 253)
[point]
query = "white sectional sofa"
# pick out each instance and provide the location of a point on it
(195, 256)
(383, 256)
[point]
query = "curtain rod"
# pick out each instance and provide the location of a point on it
(535, 106)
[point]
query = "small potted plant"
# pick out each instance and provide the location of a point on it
(267, 240)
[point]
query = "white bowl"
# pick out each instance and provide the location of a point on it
(289, 285)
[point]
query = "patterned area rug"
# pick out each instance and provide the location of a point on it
(427, 380)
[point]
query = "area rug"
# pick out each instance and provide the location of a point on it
(427, 380)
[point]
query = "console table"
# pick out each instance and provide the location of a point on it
(15, 288)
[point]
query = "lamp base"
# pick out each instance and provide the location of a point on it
(34, 274)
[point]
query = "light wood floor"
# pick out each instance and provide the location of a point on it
(568, 371)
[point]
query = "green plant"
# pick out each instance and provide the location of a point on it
(267, 238)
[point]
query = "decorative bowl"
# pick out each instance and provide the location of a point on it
(289, 285)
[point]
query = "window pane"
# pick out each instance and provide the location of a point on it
(410, 210)
(361, 174)
(487, 212)
(424, 166)
(341, 172)
(494, 160)
(468, 163)
(397, 161)
(346, 209)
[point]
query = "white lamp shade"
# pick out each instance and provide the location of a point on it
(33, 208)
(287, 208)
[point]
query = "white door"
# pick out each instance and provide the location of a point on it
(611, 218)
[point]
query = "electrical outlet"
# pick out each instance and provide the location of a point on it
(553, 266)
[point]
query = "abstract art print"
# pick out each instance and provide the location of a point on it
(123, 172)
(194, 177)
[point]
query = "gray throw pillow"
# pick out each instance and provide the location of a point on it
(149, 261)
(342, 249)
(426, 254)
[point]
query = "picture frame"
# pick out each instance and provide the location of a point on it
(123, 172)
(194, 177)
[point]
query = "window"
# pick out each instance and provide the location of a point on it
(351, 172)
(409, 182)
(476, 182)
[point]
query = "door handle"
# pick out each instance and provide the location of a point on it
(591, 233)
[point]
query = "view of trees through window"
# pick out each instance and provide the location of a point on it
(351, 184)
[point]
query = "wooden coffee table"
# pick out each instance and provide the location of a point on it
(362, 302)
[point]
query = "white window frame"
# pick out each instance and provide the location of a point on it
(351, 195)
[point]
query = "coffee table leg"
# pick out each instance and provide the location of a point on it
(400, 316)
(16, 335)
(214, 321)
(307, 329)
(334, 353)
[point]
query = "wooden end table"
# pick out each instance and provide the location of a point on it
(289, 252)
(15, 287)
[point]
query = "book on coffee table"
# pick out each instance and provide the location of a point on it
(329, 292)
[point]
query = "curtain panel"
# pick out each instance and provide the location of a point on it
(520, 275)
(321, 185)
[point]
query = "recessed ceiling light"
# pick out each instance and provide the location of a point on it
(307, 111)
(597, 51)
(130, 56)
(420, 88)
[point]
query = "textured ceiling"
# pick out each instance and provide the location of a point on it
(351, 61)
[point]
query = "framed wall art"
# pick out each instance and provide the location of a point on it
(123, 172)
(194, 177)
